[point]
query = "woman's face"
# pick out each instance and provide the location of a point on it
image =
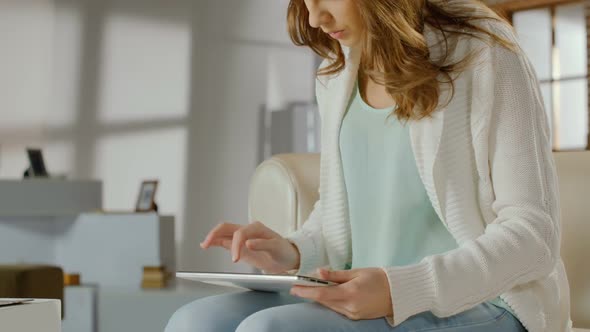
(338, 18)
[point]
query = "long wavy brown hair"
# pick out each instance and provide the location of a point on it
(395, 53)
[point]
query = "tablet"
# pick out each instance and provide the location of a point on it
(258, 282)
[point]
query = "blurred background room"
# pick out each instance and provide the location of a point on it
(150, 118)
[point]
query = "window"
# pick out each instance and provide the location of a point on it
(555, 39)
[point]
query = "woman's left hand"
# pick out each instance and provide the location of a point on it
(361, 293)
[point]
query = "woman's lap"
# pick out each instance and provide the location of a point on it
(224, 312)
(257, 311)
(481, 318)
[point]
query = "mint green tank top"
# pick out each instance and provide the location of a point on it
(392, 219)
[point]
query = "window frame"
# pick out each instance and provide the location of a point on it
(507, 8)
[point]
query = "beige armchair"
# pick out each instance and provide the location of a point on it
(285, 187)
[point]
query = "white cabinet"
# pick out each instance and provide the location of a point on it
(80, 309)
(60, 223)
(110, 250)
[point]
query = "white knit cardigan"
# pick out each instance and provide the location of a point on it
(486, 162)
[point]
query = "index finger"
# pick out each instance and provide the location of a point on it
(219, 230)
(255, 229)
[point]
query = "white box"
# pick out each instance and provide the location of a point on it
(39, 315)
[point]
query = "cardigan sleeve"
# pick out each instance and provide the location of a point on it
(522, 242)
(309, 239)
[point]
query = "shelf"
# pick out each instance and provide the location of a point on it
(48, 197)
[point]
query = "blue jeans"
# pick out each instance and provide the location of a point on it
(264, 312)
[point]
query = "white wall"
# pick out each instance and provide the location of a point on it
(26, 30)
(238, 39)
(125, 90)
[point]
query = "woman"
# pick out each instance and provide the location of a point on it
(438, 205)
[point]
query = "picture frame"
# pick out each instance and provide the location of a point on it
(146, 198)
(36, 163)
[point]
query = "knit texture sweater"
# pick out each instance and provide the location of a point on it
(486, 163)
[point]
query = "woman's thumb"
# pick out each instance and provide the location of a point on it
(337, 276)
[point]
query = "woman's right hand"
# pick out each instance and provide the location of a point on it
(256, 245)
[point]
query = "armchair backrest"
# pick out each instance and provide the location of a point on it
(283, 191)
(573, 170)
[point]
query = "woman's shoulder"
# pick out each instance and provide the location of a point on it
(452, 47)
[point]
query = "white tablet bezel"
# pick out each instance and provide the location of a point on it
(252, 281)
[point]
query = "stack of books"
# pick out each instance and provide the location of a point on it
(154, 277)
(71, 279)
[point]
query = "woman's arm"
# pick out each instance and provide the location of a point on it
(522, 243)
